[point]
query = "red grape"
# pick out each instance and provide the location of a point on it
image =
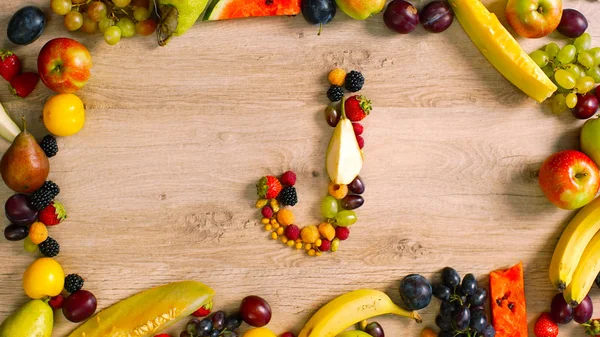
(19, 211)
(357, 186)
(16, 232)
(436, 17)
(400, 16)
(572, 23)
(584, 311)
(255, 311)
(598, 92)
(561, 312)
(586, 107)
(145, 27)
(97, 10)
(79, 306)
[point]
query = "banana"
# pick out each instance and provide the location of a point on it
(349, 309)
(354, 333)
(572, 243)
(585, 273)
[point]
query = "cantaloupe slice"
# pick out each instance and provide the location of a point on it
(501, 49)
(232, 9)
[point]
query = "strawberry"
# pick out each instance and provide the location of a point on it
(204, 310)
(545, 326)
(53, 214)
(23, 84)
(10, 65)
(268, 187)
(357, 108)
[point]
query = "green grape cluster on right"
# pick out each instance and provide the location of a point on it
(575, 69)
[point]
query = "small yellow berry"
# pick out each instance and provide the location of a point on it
(268, 227)
(338, 191)
(318, 243)
(309, 234)
(274, 236)
(307, 246)
(38, 233)
(273, 221)
(335, 244)
(311, 252)
(298, 240)
(260, 203)
(319, 253)
(274, 205)
(327, 231)
(290, 243)
(265, 221)
(299, 245)
(337, 77)
(284, 239)
(276, 225)
(285, 217)
(280, 231)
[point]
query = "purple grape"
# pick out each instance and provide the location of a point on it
(586, 107)
(255, 311)
(443, 322)
(357, 186)
(374, 329)
(436, 17)
(19, 211)
(441, 292)
(461, 318)
(401, 17)
(352, 201)
(218, 320)
(16, 232)
(584, 311)
(561, 312)
(79, 306)
(415, 292)
(572, 23)
(332, 116)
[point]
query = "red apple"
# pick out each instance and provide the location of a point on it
(569, 179)
(64, 65)
(534, 18)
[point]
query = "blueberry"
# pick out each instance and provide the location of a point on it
(26, 25)
(415, 291)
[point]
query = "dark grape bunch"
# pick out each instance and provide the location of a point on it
(462, 311)
(216, 325)
(113, 18)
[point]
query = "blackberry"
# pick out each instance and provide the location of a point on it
(73, 283)
(49, 146)
(49, 248)
(41, 198)
(354, 81)
(288, 196)
(335, 93)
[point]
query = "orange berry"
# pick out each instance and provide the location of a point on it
(327, 231)
(309, 234)
(285, 217)
(338, 191)
(428, 332)
(337, 77)
(38, 233)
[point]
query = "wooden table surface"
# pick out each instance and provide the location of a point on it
(159, 185)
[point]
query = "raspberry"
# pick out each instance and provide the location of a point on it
(292, 232)
(361, 141)
(325, 245)
(267, 212)
(342, 233)
(288, 178)
(56, 302)
(288, 334)
(358, 128)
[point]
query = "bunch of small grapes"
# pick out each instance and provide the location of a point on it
(575, 69)
(113, 18)
(217, 325)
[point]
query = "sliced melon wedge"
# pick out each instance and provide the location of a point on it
(233, 9)
(501, 49)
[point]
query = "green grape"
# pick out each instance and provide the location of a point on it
(112, 35)
(345, 218)
(140, 14)
(552, 50)
(571, 100)
(549, 71)
(559, 104)
(594, 72)
(89, 26)
(540, 58)
(584, 84)
(583, 43)
(29, 245)
(121, 3)
(567, 54)
(127, 27)
(73, 21)
(595, 52)
(585, 59)
(575, 70)
(564, 78)
(105, 23)
(61, 7)
(329, 207)
(97, 10)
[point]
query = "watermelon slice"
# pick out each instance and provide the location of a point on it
(232, 9)
(507, 290)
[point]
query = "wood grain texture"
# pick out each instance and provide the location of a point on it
(159, 185)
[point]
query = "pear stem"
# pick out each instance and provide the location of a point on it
(343, 107)
(24, 123)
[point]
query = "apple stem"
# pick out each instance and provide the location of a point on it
(580, 175)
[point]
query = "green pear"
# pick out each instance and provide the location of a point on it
(360, 9)
(177, 17)
(344, 158)
(590, 139)
(8, 129)
(34, 319)
(24, 166)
